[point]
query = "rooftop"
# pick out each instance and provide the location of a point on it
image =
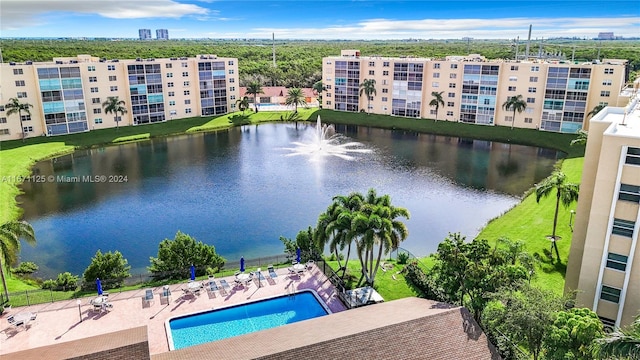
(625, 121)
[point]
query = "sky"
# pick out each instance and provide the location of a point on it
(319, 19)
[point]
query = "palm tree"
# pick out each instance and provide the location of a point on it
(243, 104)
(581, 139)
(566, 193)
(254, 89)
(436, 101)
(319, 88)
(10, 235)
(114, 105)
(295, 97)
(596, 109)
(368, 87)
(15, 106)
(619, 344)
(515, 103)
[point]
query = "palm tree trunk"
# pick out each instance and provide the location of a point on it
(117, 122)
(375, 268)
(555, 223)
(4, 282)
(21, 127)
(513, 119)
(255, 104)
(344, 272)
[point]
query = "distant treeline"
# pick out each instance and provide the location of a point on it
(299, 63)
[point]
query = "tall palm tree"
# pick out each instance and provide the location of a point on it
(566, 193)
(295, 97)
(15, 106)
(368, 87)
(114, 105)
(436, 101)
(243, 104)
(619, 344)
(10, 235)
(515, 103)
(319, 88)
(596, 109)
(254, 89)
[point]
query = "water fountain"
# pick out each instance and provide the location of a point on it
(326, 142)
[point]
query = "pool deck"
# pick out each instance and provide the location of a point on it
(59, 321)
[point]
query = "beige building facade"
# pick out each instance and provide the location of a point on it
(559, 94)
(604, 261)
(67, 94)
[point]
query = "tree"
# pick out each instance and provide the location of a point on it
(436, 101)
(523, 313)
(114, 105)
(15, 106)
(596, 109)
(622, 343)
(571, 335)
(295, 97)
(514, 103)
(176, 256)
(368, 87)
(25, 268)
(304, 241)
(318, 89)
(566, 193)
(581, 139)
(10, 235)
(111, 267)
(243, 104)
(254, 89)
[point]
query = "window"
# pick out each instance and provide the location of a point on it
(17, 72)
(606, 82)
(113, 78)
(452, 85)
(610, 294)
(436, 75)
(172, 103)
(232, 97)
(531, 100)
(185, 74)
(232, 80)
(454, 66)
(385, 91)
(1, 107)
(385, 64)
(168, 65)
(186, 83)
(514, 67)
(528, 120)
(512, 88)
(97, 111)
(3, 120)
(384, 99)
(169, 75)
(608, 71)
(233, 88)
(187, 102)
(187, 92)
(95, 100)
(113, 88)
(532, 90)
(453, 76)
(371, 72)
(26, 117)
(230, 63)
(171, 93)
(187, 111)
(328, 94)
(4, 132)
(91, 68)
(28, 129)
(629, 193)
(385, 73)
(19, 82)
(535, 68)
(436, 66)
(231, 71)
(449, 113)
(328, 102)
(450, 104)
(94, 89)
(435, 84)
(184, 64)
(169, 84)
(617, 261)
(451, 95)
(432, 112)
(633, 156)
(371, 63)
(110, 68)
(93, 79)
(623, 227)
(22, 95)
(508, 118)
(605, 93)
(97, 121)
(384, 82)
(533, 79)
(513, 78)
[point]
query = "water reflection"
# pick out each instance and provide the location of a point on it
(237, 190)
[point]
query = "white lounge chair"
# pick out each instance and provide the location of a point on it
(148, 297)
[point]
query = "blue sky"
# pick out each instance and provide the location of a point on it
(341, 19)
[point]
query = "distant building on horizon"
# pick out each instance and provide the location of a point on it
(162, 34)
(606, 36)
(144, 34)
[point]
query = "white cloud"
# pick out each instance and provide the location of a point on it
(26, 13)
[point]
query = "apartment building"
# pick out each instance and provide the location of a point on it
(604, 261)
(559, 94)
(162, 34)
(144, 34)
(67, 94)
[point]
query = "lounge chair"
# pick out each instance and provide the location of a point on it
(165, 296)
(225, 286)
(34, 316)
(148, 297)
(272, 273)
(211, 290)
(11, 320)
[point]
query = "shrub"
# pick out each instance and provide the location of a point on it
(65, 281)
(110, 266)
(176, 256)
(403, 257)
(25, 268)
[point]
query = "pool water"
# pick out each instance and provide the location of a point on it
(228, 322)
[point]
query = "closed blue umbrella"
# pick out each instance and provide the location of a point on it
(242, 264)
(193, 272)
(99, 286)
(298, 254)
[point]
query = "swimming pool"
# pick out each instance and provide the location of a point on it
(212, 325)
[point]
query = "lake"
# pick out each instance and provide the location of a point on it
(239, 191)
